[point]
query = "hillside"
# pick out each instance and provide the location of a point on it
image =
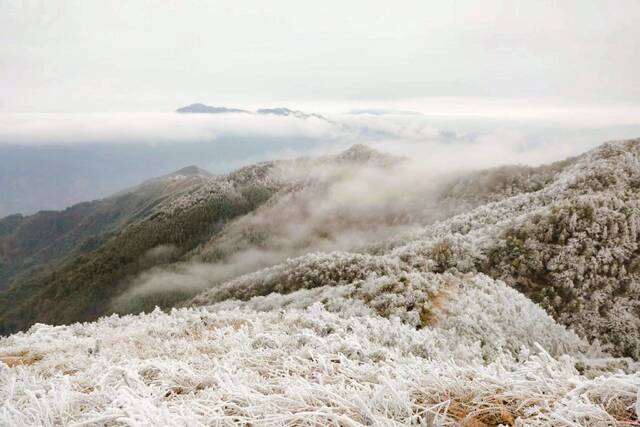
(479, 360)
(356, 290)
(565, 235)
(183, 210)
(35, 243)
(68, 266)
(517, 224)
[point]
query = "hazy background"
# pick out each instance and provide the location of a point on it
(143, 55)
(87, 88)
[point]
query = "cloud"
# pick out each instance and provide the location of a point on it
(442, 117)
(153, 128)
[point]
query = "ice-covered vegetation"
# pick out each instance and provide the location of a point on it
(503, 297)
(305, 367)
(565, 235)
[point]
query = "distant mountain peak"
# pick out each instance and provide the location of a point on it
(207, 109)
(200, 108)
(191, 170)
(359, 150)
(364, 153)
(279, 111)
(284, 111)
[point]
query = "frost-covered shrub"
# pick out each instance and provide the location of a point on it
(575, 261)
(471, 309)
(290, 367)
(309, 271)
(568, 240)
(571, 246)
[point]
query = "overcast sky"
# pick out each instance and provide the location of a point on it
(130, 55)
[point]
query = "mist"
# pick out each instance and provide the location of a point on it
(348, 201)
(316, 211)
(52, 161)
(152, 128)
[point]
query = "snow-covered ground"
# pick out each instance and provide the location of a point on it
(293, 366)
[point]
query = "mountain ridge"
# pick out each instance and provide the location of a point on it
(483, 222)
(199, 108)
(514, 302)
(183, 205)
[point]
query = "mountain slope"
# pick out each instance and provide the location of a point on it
(516, 310)
(564, 234)
(292, 366)
(567, 238)
(36, 243)
(178, 210)
(571, 246)
(189, 209)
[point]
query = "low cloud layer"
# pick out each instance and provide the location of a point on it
(51, 161)
(447, 119)
(152, 128)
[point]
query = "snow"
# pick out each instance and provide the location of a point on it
(488, 352)
(198, 367)
(409, 332)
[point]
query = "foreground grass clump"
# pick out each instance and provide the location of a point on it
(301, 367)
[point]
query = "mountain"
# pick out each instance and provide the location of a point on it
(282, 111)
(278, 111)
(516, 224)
(33, 244)
(349, 289)
(383, 112)
(201, 108)
(61, 267)
(565, 235)
(96, 246)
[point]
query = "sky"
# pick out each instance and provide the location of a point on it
(85, 56)
(88, 88)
